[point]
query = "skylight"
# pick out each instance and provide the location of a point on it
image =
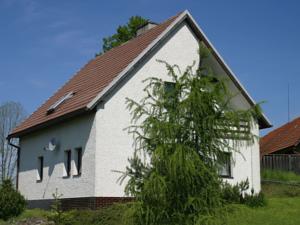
(60, 101)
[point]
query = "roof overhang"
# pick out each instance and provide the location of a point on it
(46, 124)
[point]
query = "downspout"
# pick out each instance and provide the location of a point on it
(18, 159)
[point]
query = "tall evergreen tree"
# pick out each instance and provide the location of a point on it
(181, 131)
(124, 33)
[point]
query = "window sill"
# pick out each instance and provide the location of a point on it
(227, 177)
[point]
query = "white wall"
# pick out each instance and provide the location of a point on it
(115, 146)
(79, 132)
(246, 163)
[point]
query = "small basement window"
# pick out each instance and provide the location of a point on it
(78, 161)
(40, 168)
(67, 163)
(60, 101)
(225, 165)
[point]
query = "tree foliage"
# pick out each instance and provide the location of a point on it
(124, 33)
(12, 203)
(181, 130)
(11, 114)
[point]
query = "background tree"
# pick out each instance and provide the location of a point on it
(11, 114)
(124, 33)
(181, 130)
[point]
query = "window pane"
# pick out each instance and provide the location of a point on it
(40, 168)
(225, 165)
(67, 160)
(78, 160)
(169, 86)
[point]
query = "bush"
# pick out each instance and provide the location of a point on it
(57, 215)
(255, 200)
(234, 193)
(231, 194)
(12, 203)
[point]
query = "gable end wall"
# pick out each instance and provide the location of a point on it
(115, 145)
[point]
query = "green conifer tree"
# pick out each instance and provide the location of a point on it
(181, 131)
(123, 33)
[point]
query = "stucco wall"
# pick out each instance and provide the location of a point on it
(79, 132)
(246, 163)
(115, 145)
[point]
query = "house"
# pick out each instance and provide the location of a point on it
(76, 140)
(283, 140)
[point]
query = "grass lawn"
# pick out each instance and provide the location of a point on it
(280, 211)
(283, 209)
(277, 175)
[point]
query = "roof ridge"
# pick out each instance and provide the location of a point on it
(139, 36)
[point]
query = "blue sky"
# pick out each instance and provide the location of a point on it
(43, 43)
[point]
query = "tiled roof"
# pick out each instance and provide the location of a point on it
(92, 79)
(281, 138)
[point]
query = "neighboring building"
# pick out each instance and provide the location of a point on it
(83, 122)
(283, 140)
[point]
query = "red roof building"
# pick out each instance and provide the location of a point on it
(283, 140)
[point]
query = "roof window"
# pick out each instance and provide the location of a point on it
(60, 101)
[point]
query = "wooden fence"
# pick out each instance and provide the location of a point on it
(281, 162)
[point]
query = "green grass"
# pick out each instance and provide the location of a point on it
(283, 208)
(30, 213)
(272, 190)
(278, 175)
(280, 211)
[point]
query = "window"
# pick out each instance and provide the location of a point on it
(59, 102)
(78, 161)
(67, 171)
(225, 165)
(169, 86)
(40, 168)
(169, 91)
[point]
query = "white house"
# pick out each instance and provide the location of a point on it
(76, 140)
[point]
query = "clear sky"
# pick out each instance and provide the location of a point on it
(43, 43)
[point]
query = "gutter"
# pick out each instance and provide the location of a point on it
(18, 159)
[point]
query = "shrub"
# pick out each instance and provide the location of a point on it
(255, 200)
(12, 203)
(237, 194)
(234, 193)
(57, 215)
(230, 194)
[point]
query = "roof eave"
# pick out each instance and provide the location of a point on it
(48, 123)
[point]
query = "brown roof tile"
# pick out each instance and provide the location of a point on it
(92, 79)
(281, 138)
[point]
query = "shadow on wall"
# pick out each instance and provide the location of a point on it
(71, 134)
